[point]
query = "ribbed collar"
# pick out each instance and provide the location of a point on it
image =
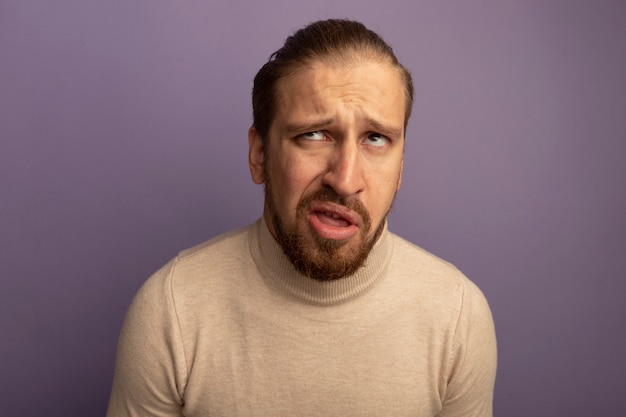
(279, 272)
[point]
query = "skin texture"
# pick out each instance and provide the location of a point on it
(333, 163)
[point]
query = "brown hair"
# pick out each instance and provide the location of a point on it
(330, 40)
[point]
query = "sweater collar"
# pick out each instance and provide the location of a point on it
(278, 270)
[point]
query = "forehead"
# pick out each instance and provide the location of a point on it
(373, 89)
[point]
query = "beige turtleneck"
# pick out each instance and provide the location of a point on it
(230, 328)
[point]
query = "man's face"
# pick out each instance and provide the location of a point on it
(333, 163)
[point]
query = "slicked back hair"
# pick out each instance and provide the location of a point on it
(332, 41)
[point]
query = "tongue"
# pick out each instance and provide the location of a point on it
(332, 221)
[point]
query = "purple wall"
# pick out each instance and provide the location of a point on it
(123, 140)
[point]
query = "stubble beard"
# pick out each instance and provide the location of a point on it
(318, 258)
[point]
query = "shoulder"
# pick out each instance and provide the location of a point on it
(412, 260)
(417, 255)
(228, 242)
(430, 276)
(222, 255)
(201, 270)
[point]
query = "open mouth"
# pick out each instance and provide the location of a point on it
(332, 221)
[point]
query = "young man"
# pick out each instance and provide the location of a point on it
(316, 309)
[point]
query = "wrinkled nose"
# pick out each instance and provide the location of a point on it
(344, 172)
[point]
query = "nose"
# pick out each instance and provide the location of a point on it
(345, 170)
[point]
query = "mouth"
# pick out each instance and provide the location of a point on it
(332, 221)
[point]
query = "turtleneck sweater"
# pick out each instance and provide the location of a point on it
(231, 328)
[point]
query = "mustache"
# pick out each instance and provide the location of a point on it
(328, 194)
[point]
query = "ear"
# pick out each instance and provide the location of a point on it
(400, 176)
(256, 155)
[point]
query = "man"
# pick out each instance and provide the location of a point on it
(316, 309)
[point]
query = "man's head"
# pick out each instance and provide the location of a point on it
(330, 113)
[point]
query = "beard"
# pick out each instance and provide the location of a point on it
(318, 258)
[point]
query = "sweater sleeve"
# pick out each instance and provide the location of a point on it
(150, 369)
(473, 359)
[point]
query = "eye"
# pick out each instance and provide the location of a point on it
(316, 135)
(377, 140)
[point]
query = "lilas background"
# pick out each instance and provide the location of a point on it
(123, 140)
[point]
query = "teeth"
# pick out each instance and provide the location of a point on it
(333, 215)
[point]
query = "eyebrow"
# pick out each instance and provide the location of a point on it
(389, 131)
(295, 127)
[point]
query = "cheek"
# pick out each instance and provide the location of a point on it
(301, 172)
(384, 188)
(290, 180)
